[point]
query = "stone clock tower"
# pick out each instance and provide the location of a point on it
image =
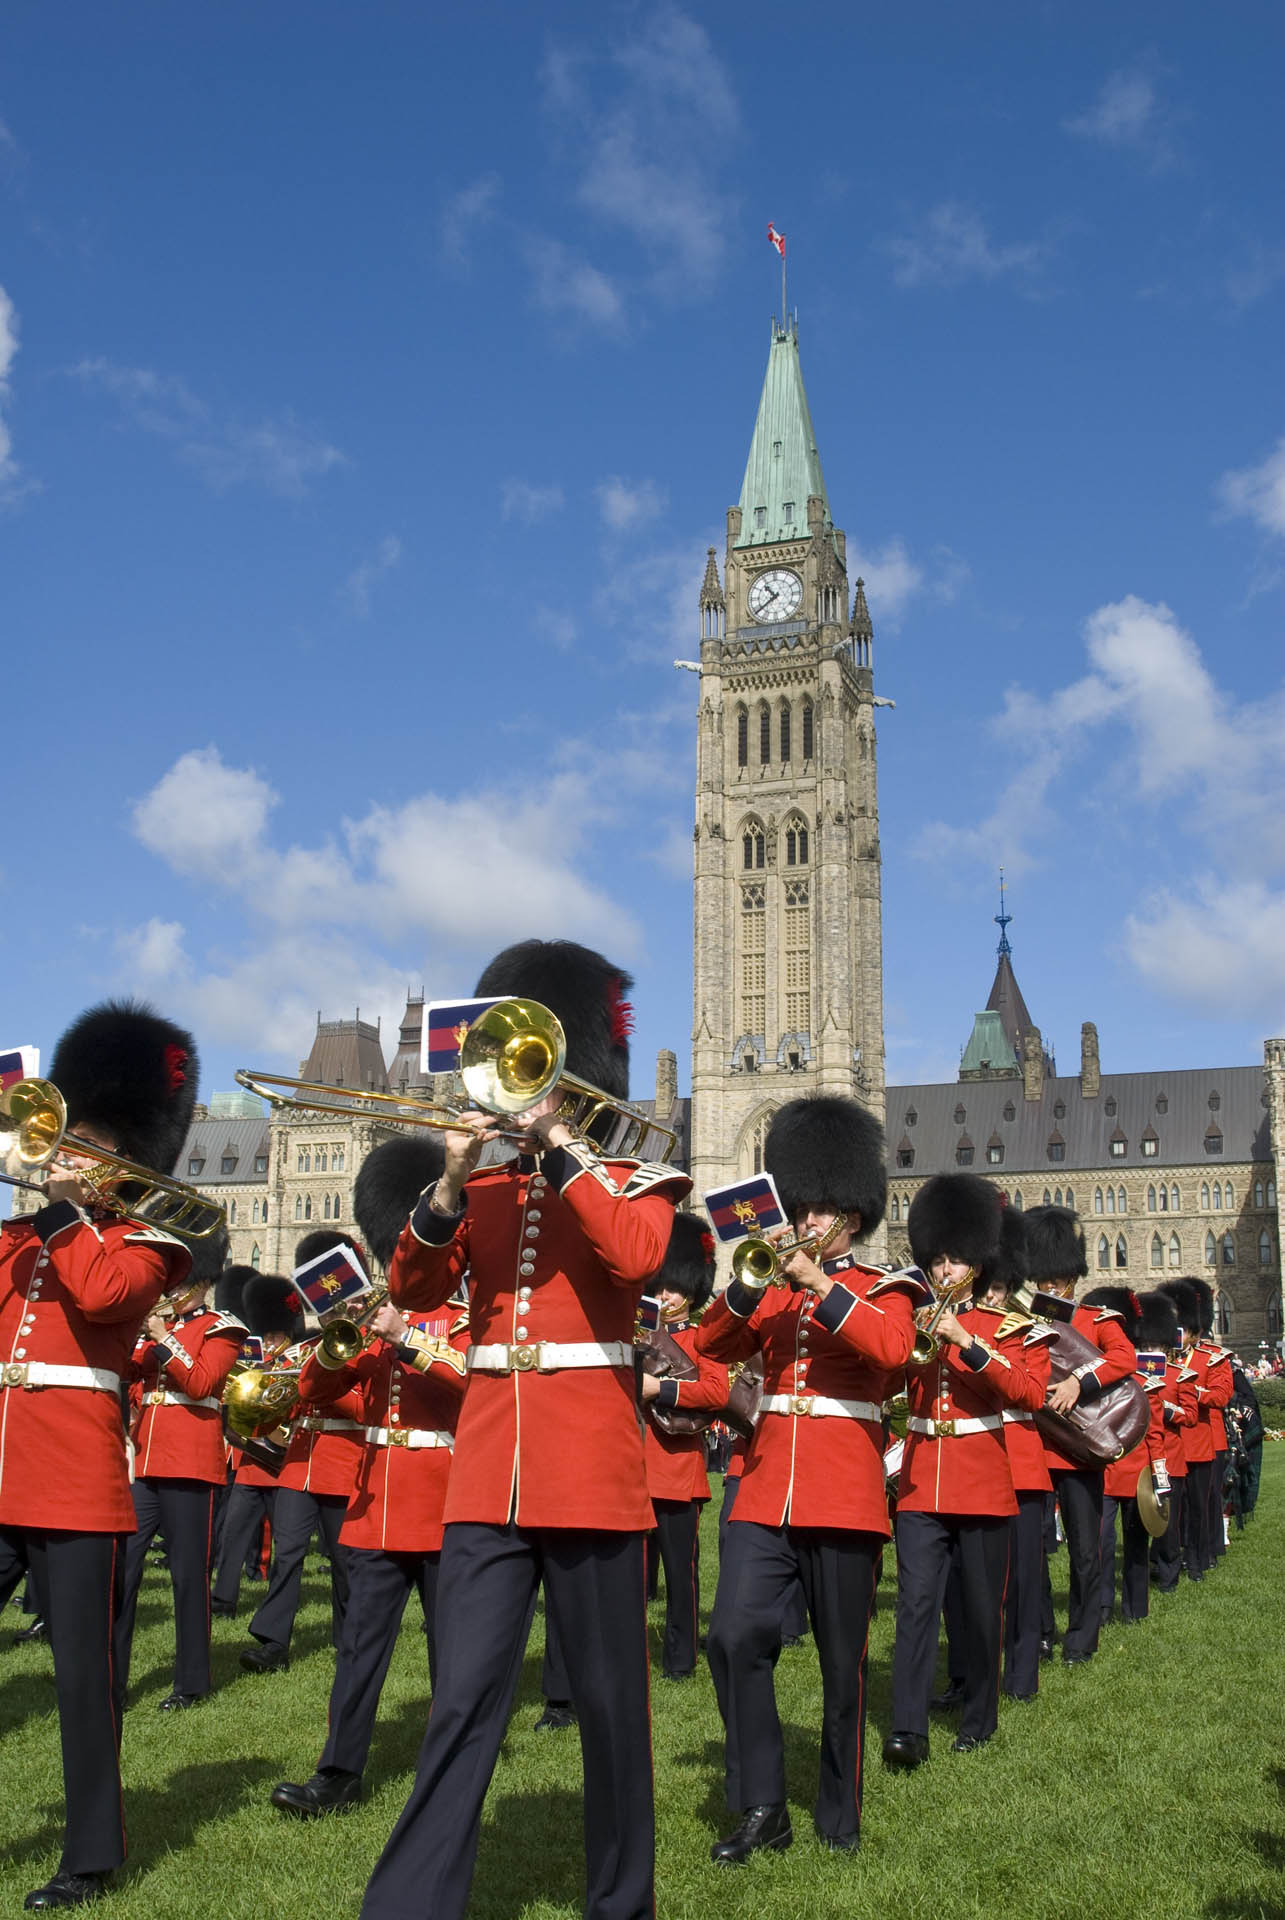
(788, 952)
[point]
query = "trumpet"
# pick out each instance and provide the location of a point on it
(511, 1058)
(758, 1263)
(348, 1334)
(927, 1346)
(33, 1118)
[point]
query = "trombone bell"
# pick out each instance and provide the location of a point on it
(512, 1056)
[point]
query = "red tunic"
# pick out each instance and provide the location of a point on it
(1180, 1412)
(73, 1293)
(557, 1252)
(966, 1473)
(802, 1468)
(1026, 1460)
(1105, 1328)
(1214, 1389)
(676, 1462)
(327, 1445)
(398, 1502)
(174, 1437)
(1122, 1475)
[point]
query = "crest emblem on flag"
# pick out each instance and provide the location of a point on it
(746, 1206)
(331, 1281)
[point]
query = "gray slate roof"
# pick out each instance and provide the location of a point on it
(213, 1141)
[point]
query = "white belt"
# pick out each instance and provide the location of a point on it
(818, 1407)
(1014, 1414)
(315, 1423)
(950, 1429)
(160, 1397)
(415, 1438)
(39, 1373)
(548, 1356)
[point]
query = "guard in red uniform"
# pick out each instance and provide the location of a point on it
(548, 1480)
(178, 1373)
(676, 1476)
(1152, 1325)
(1213, 1394)
(1211, 1382)
(324, 1453)
(405, 1391)
(76, 1285)
(1181, 1413)
(955, 1491)
(811, 1504)
(1056, 1257)
(273, 1311)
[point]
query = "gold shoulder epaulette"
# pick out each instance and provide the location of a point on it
(1013, 1323)
(984, 1306)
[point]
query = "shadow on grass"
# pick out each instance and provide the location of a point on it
(163, 1819)
(554, 1873)
(26, 1696)
(1270, 1847)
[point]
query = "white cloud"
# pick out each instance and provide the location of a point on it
(622, 505)
(276, 454)
(366, 576)
(464, 215)
(559, 629)
(893, 578)
(563, 282)
(155, 951)
(1223, 946)
(205, 819)
(951, 244)
(1258, 493)
(521, 500)
(652, 599)
(10, 485)
(1129, 113)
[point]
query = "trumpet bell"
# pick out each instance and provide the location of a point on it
(755, 1263)
(340, 1343)
(512, 1056)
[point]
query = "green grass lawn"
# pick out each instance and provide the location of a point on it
(1149, 1783)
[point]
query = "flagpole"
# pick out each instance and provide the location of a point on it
(784, 321)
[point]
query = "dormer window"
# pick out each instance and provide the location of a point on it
(1162, 1103)
(1059, 1110)
(1150, 1144)
(994, 1151)
(1119, 1145)
(1111, 1109)
(1056, 1146)
(912, 1117)
(760, 516)
(228, 1163)
(1213, 1139)
(960, 1116)
(1010, 1111)
(905, 1153)
(787, 512)
(196, 1164)
(964, 1151)
(1215, 1101)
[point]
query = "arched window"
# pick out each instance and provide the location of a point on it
(796, 842)
(742, 737)
(1229, 1250)
(1264, 1248)
(1110, 1200)
(1121, 1251)
(1048, 1198)
(1175, 1204)
(1119, 1200)
(326, 1212)
(753, 847)
(255, 1255)
(796, 933)
(337, 1160)
(1097, 1200)
(765, 733)
(1229, 1199)
(753, 981)
(1104, 1251)
(254, 1214)
(1157, 1251)
(1273, 1317)
(1175, 1250)
(304, 1162)
(1218, 1198)
(1271, 1193)
(894, 1211)
(322, 1160)
(335, 1213)
(1258, 1193)
(232, 1213)
(1222, 1315)
(298, 1206)
(1018, 1201)
(807, 729)
(1164, 1199)
(1204, 1195)
(1151, 1199)
(1211, 1251)
(785, 732)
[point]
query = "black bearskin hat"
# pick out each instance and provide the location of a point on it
(689, 1262)
(1186, 1302)
(123, 1068)
(1205, 1297)
(585, 991)
(1157, 1322)
(209, 1257)
(1054, 1245)
(391, 1179)
(322, 1240)
(230, 1290)
(826, 1151)
(955, 1214)
(1122, 1300)
(269, 1304)
(1007, 1266)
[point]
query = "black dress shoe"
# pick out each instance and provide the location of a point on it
(555, 1718)
(759, 1827)
(1076, 1659)
(1020, 1699)
(968, 1742)
(950, 1698)
(265, 1660)
(36, 1631)
(176, 1701)
(223, 1609)
(840, 1842)
(905, 1750)
(328, 1792)
(67, 1890)
(689, 1674)
(1046, 1649)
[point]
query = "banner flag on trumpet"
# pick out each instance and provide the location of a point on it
(332, 1280)
(1151, 1365)
(18, 1063)
(442, 1034)
(747, 1206)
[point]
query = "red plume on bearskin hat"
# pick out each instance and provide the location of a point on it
(123, 1068)
(391, 1179)
(955, 1214)
(1157, 1322)
(826, 1151)
(1054, 1245)
(585, 990)
(689, 1261)
(1122, 1300)
(270, 1304)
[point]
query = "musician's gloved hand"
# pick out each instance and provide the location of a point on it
(1065, 1395)
(949, 1331)
(801, 1267)
(1160, 1479)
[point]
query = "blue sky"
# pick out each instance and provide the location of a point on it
(373, 380)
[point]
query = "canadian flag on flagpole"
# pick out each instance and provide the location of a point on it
(777, 239)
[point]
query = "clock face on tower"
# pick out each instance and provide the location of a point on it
(776, 595)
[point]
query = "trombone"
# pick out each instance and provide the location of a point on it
(33, 1123)
(511, 1058)
(758, 1263)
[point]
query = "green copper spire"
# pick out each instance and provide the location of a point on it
(783, 471)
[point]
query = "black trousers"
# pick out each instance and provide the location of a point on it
(925, 1542)
(379, 1585)
(678, 1539)
(794, 1612)
(246, 1510)
(1024, 1600)
(1217, 1481)
(555, 1681)
(183, 1512)
(838, 1572)
(594, 1588)
(296, 1516)
(1135, 1585)
(1166, 1552)
(1079, 1496)
(1196, 1556)
(80, 1576)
